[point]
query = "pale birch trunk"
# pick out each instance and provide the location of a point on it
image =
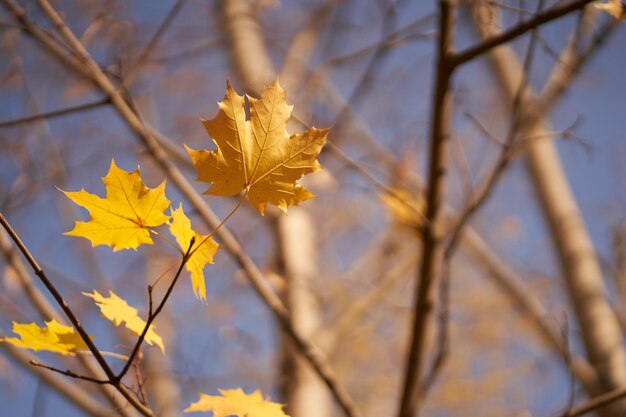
(599, 327)
(307, 396)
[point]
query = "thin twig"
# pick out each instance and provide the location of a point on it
(140, 385)
(55, 113)
(539, 19)
(68, 389)
(507, 153)
(153, 314)
(71, 374)
(143, 56)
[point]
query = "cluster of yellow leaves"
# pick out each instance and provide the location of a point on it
(125, 218)
(55, 337)
(258, 155)
(616, 8)
(118, 311)
(235, 402)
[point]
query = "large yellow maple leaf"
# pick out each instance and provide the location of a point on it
(258, 154)
(235, 402)
(122, 219)
(180, 227)
(118, 311)
(55, 337)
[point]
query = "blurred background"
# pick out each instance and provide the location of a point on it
(530, 315)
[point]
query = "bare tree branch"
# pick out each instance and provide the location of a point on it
(539, 19)
(598, 325)
(432, 232)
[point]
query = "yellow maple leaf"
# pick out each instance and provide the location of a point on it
(122, 219)
(55, 337)
(616, 8)
(235, 402)
(118, 311)
(180, 227)
(258, 154)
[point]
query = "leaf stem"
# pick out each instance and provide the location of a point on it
(71, 374)
(207, 237)
(105, 353)
(159, 235)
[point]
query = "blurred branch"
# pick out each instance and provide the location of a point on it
(255, 70)
(478, 198)
(34, 295)
(143, 56)
(501, 274)
(86, 66)
(69, 313)
(55, 113)
(48, 312)
(71, 391)
(498, 39)
(568, 68)
(431, 250)
(599, 328)
(330, 337)
(595, 403)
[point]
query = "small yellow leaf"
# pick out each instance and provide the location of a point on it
(404, 208)
(122, 219)
(615, 8)
(55, 337)
(258, 154)
(180, 227)
(118, 311)
(235, 402)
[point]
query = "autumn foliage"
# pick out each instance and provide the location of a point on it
(255, 157)
(373, 291)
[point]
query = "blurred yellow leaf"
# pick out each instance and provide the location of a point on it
(55, 337)
(235, 402)
(405, 208)
(258, 154)
(180, 227)
(122, 219)
(118, 311)
(615, 8)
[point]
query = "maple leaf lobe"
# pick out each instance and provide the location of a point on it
(180, 228)
(54, 337)
(258, 155)
(118, 311)
(235, 402)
